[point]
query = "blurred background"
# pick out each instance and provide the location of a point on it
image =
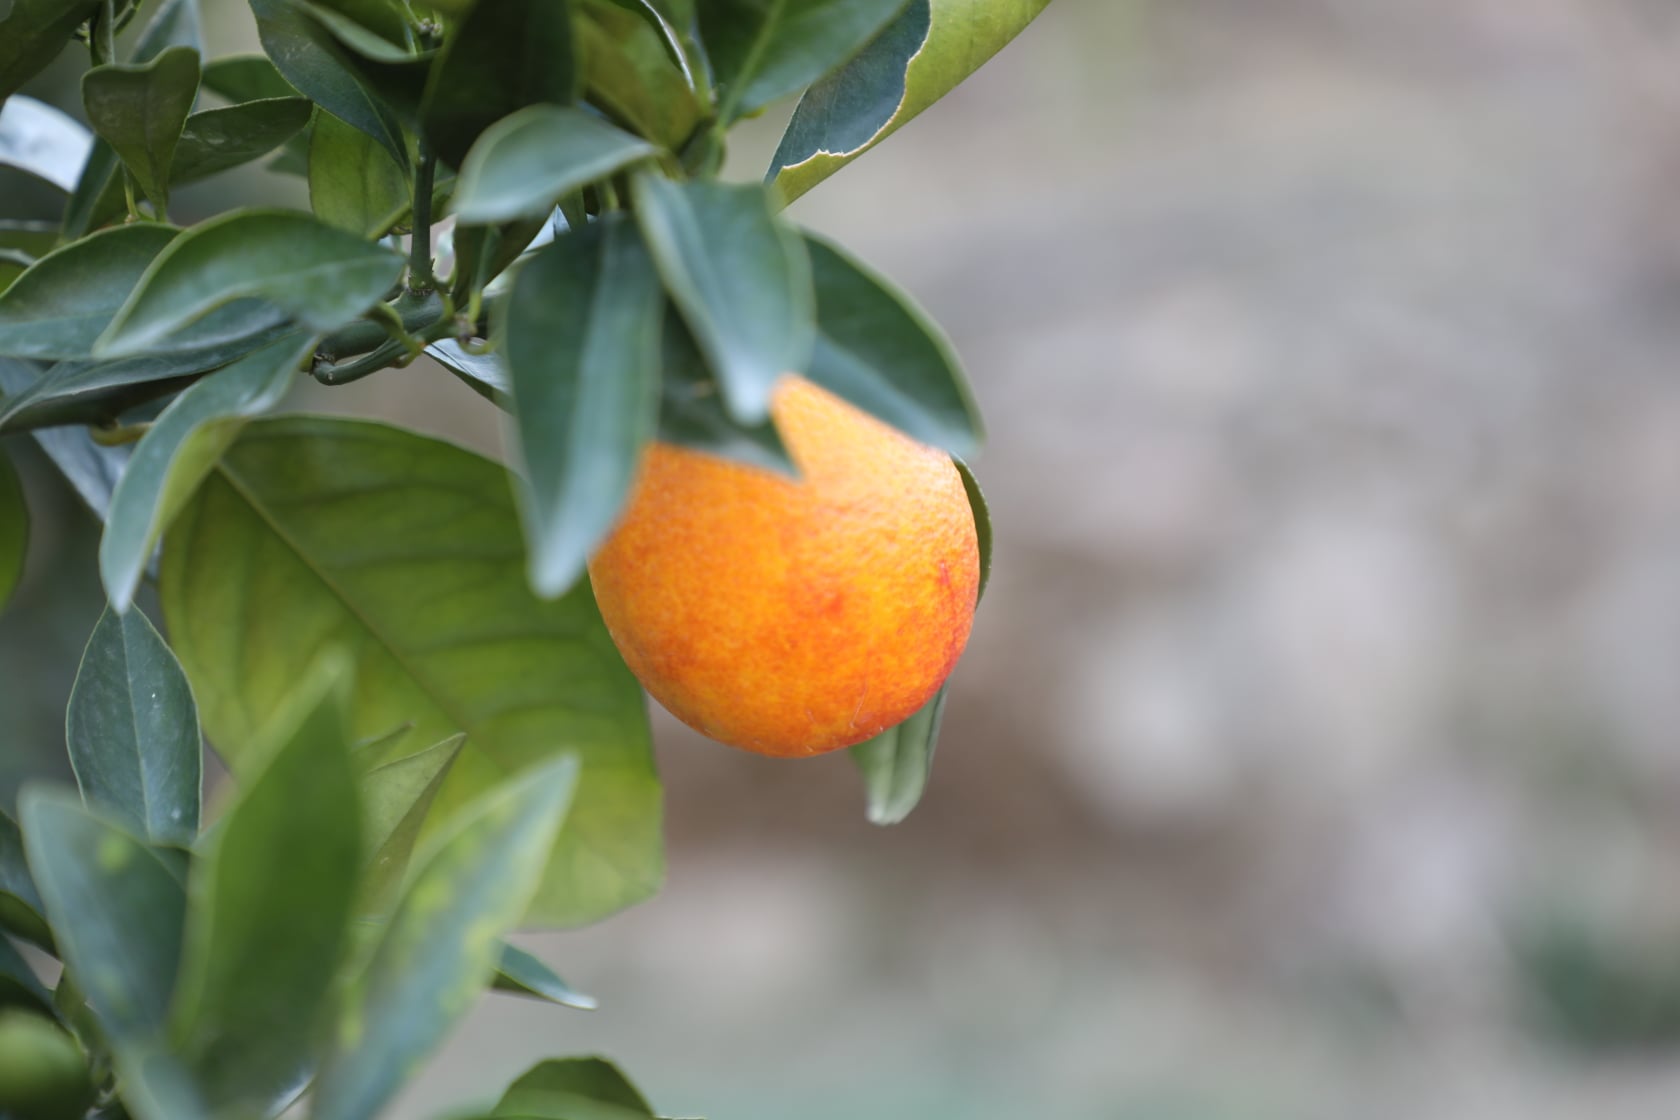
(1317, 752)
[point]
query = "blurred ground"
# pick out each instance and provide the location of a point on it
(1316, 751)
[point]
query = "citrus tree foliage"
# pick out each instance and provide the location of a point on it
(389, 639)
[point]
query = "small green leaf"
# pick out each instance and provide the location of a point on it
(396, 797)
(485, 374)
(354, 184)
(740, 278)
(573, 1089)
(325, 278)
(246, 77)
(878, 350)
(39, 139)
(442, 944)
(501, 57)
(270, 908)
(115, 906)
(140, 111)
(917, 59)
(523, 165)
(179, 450)
(19, 986)
(133, 732)
(21, 910)
(582, 335)
(523, 973)
(61, 304)
(691, 411)
(629, 73)
(217, 139)
(763, 50)
(896, 763)
(14, 531)
(982, 520)
(32, 32)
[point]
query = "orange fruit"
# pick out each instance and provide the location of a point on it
(792, 617)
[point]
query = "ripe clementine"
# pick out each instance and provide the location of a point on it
(792, 617)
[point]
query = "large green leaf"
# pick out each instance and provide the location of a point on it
(271, 902)
(877, 349)
(740, 278)
(323, 277)
(525, 974)
(217, 139)
(442, 945)
(115, 907)
(523, 165)
(32, 32)
(14, 531)
(21, 910)
(133, 732)
(397, 795)
(41, 140)
(919, 58)
(179, 449)
(573, 1089)
(60, 305)
(140, 110)
(582, 333)
(503, 56)
(354, 184)
(629, 74)
(406, 551)
(762, 50)
(246, 77)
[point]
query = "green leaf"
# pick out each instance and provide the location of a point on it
(133, 732)
(919, 58)
(323, 277)
(115, 906)
(270, 908)
(763, 50)
(691, 411)
(14, 531)
(407, 551)
(354, 184)
(878, 350)
(396, 797)
(155, 1085)
(982, 521)
(523, 165)
(61, 304)
(32, 32)
(501, 57)
(582, 335)
(485, 374)
(441, 946)
(140, 110)
(218, 139)
(524, 974)
(19, 986)
(35, 239)
(246, 77)
(91, 468)
(740, 278)
(175, 23)
(21, 910)
(41, 140)
(629, 74)
(896, 763)
(573, 1089)
(179, 450)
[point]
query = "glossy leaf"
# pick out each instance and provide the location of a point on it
(19, 986)
(485, 374)
(115, 906)
(763, 50)
(270, 907)
(407, 551)
(32, 32)
(140, 110)
(14, 531)
(523, 165)
(179, 450)
(629, 74)
(61, 304)
(691, 411)
(568, 1088)
(92, 469)
(982, 521)
(878, 350)
(246, 77)
(741, 280)
(525, 974)
(354, 184)
(501, 57)
(582, 335)
(917, 59)
(396, 797)
(21, 910)
(39, 139)
(218, 139)
(132, 730)
(441, 946)
(896, 763)
(325, 278)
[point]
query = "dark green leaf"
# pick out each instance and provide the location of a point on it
(91, 468)
(982, 521)
(629, 74)
(386, 19)
(351, 29)
(180, 449)
(36, 239)
(523, 165)
(582, 335)
(919, 58)
(691, 411)
(60, 305)
(325, 278)
(21, 909)
(503, 56)
(175, 23)
(41, 140)
(573, 1089)
(218, 139)
(763, 50)
(440, 948)
(270, 908)
(19, 986)
(740, 278)
(140, 110)
(354, 184)
(878, 350)
(897, 762)
(32, 32)
(396, 797)
(407, 551)
(155, 1085)
(14, 531)
(133, 732)
(246, 77)
(485, 374)
(114, 905)
(524, 974)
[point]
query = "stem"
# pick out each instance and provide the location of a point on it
(342, 374)
(420, 277)
(366, 335)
